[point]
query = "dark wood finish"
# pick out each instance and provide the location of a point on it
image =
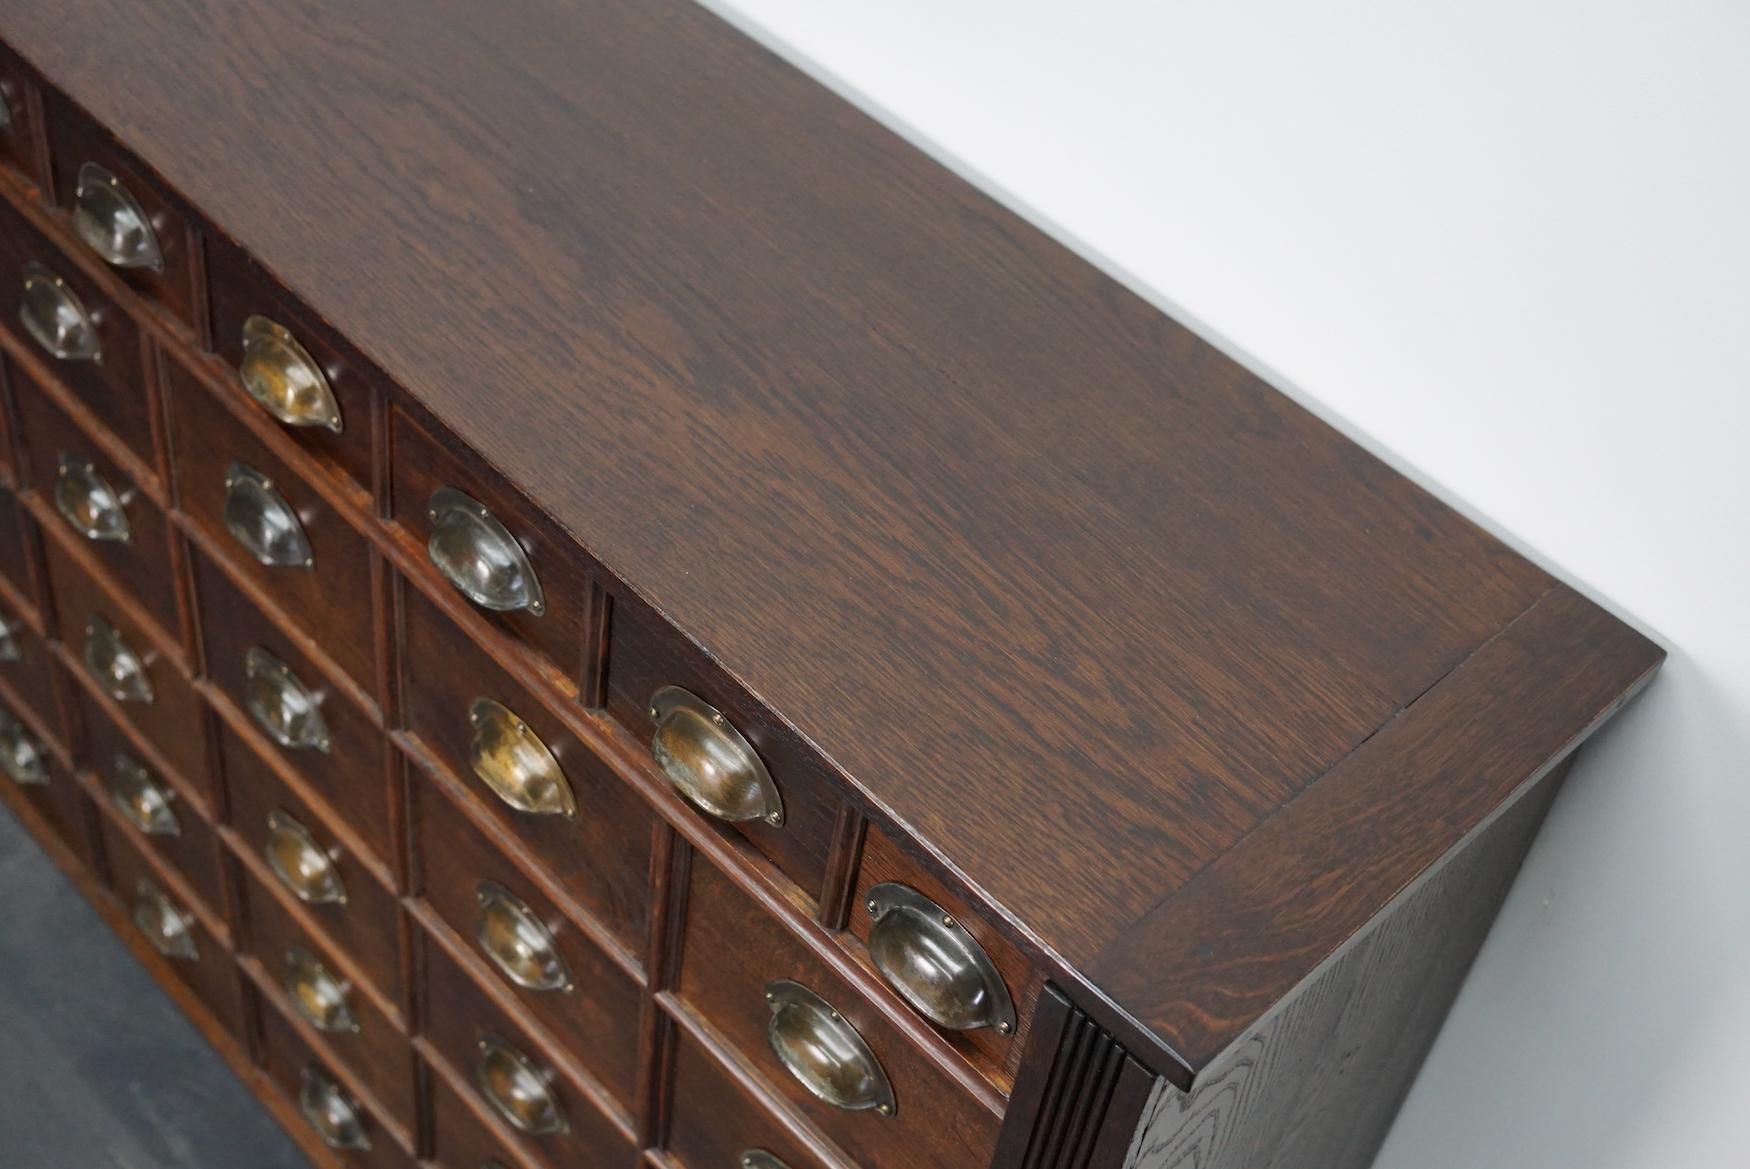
(60, 803)
(465, 1134)
(16, 545)
(31, 677)
(600, 857)
(720, 1112)
(22, 146)
(733, 950)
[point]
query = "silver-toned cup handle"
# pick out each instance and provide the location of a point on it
(319, 997)
(282, 705)
(259, 518)
(89, 503)
(122, 672)
(112, 223)
(167, 926)
(479, 556)
(20, 754)
(141, 799)
(823, 1052)
(56, 318)
(709, 762)
(517, 1089)
(517, 941)
(331, 1111)
(301, 863)
(926, 955)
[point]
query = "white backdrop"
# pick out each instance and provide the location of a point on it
(1507, 246)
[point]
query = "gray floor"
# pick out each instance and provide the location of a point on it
(97, 1069)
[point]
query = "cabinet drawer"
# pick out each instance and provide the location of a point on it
(183, 933)
(465, 1134)
(586, 1000)
(98, 359)
(645, 655)
(600, 853)
(32, 768)
(17, 545)
(717, 1117)
(266, 814)
(96, 501)
(282, 535)
(130, 664)
(333, 393)
(321, 983)
(153, 809)
(733, 953)
(356, 1136)
(21, 150)
(124, 216)
(298, 711)
(427, 473)
(498, 1056)
(27, 668)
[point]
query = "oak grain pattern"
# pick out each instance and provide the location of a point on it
(964, 511)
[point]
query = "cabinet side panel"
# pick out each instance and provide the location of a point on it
(1317, 1085)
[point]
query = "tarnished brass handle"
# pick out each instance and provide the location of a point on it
(479, 556)
(9, 651)
(284, 379)
(513, 761)
(166, 925)
(760, 1159)
(518, 942)
(282, 705)
(517, 1089)
(56, 318)
(113, 662)
(88, 503)
(112, 223)
(708, 761)
(317, 995)
(141, 799)
(935, 965)
(20, 754)
(333, 1113)
(823, 1052)
(259, 518)
(301, 864)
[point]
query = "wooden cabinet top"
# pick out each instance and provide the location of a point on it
(1185, 682)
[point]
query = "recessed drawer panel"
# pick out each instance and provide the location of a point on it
(587, 827)
(280, 532)
(177, 930)
(26, 666)
(81, 335)
(298, 711)
(549, 1109)
(29, 766)
(655, 674)
(562, 977)
(759, 985)
(129, 663)
(96, 502)
(292, 368)
(20, 143)
(466, 1135)
(17, 544)
(126, 218)
(356, 1136)
(155, 809)
(718, 1119)
(318, 982)
(488, 543)
(300, 847)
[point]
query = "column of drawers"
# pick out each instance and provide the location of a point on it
(476, 856)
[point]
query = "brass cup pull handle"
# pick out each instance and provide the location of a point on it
(318, 996)
(88, 503)
(760, 1159)
(301, 863)
(167, 926)
(935, 965)
(518, 942)
(517, 1089)
(112, 223)
(144, 802)
(20, 754)
(512, 760)
(56, 318)
(479, 556)
(708, 761)
(284, 379)
(331, 1111)
(823, 1052)
(113, 662)
(259, 518)
(282, 705)
(9, 651)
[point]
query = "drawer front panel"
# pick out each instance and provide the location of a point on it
(93, 173)
(350, 773)
(88, 490)
(20, 145)
(717, 1117)
(330, 598)
(17, 542)
(601, 854)
(174, 720)
(465, 1135)
(366, 925)
(48, 786)
(734, 950)
(112, 383)
(461, 1020)
(207, 969)
(375, 1048)
(595, 1014)
(26, 666)
(288, 1059)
